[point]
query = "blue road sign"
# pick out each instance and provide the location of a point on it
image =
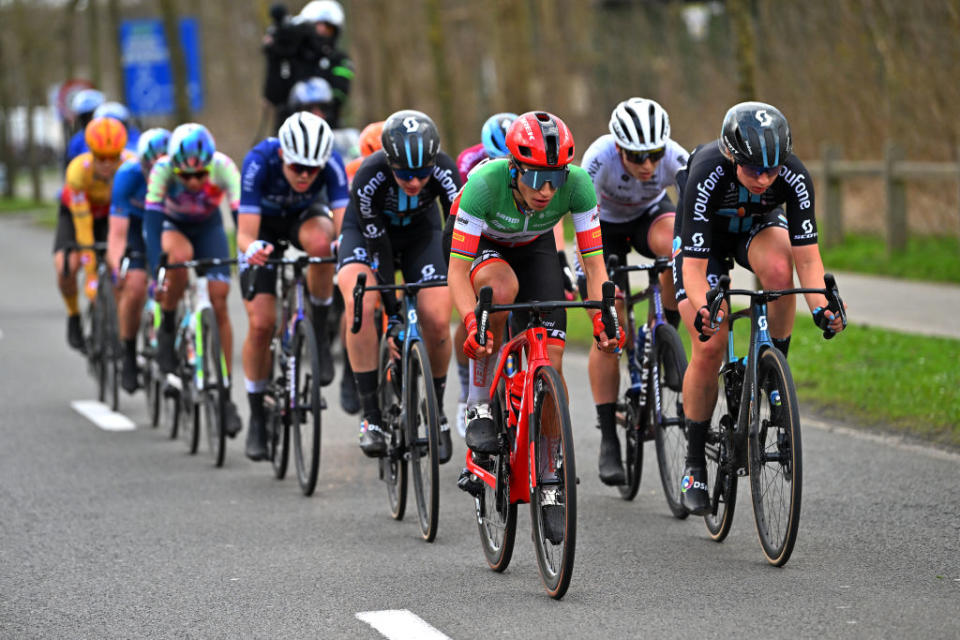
(147, 77)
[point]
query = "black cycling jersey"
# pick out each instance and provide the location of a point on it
(714, 203)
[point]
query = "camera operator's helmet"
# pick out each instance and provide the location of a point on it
(152, 144)
(114, 110)
(410, 140)
(191, 147)
(755, 134)
(86, 102)
(493, 134)
(310, 92)
(306, 139)
(541, 139)
(328, 11)
(639, 124)
(370, 138)
(105, 137)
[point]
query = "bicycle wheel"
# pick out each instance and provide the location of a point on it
(278, 420)
(720, 471)
(211, 392)
(305, 412)
(423, 436)
(170, 409)
(152, 384)
(628, 416)
(553, 496)
(109, 344)
(775, 456)
(186, 361)
(393, 465)
(665, 413)
(496, 514)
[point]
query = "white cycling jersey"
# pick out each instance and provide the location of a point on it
(620, 196)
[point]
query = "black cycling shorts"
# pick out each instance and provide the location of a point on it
(278, 230)
(66, 234)
(417, 247)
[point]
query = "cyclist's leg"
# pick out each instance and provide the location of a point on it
(178, 249)
(659, 242)
(459, 337)
(132, 296)
(314, 235)
(769, 256)
(67, 282)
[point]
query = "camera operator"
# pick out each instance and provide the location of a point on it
(304, 46)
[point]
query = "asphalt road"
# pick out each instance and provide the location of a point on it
(123, 534)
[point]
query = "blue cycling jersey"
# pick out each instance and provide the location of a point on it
(129, 191)
(265, 191)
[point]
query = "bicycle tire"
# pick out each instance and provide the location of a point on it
(628, 417)
(211, 396)
(152, 385)
(95, 347)
(496, 514)
(109, 344)
(277, 419)
(723, 496)
(393, 465)
(423, 439)
(775, 454)
(305, 422)
(190, 431)
(170, 410)
(555, 482)
(665, 413)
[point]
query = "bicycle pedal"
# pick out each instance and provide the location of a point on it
(470, 483)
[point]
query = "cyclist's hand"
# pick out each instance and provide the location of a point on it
(118, 280)
(256, 254)
(604, 342)
(702, 322)
(827, 320)
(394, 335)
(471, 348)
(569, 280)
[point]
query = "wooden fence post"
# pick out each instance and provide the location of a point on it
(896, 200)
(833, 197)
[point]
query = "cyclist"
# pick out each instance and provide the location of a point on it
(743, 197)
(119, 111)
(85, 204)
(126, 231)
(502, 239)
(392, 219)
(283, 183)
(313, 95)
(83, 104)
(182, 216)
(631, 168)
(368, 143)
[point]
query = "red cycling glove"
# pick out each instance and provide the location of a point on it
(598, 329)
(471, 348)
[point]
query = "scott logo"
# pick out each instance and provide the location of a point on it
(764, 118)
(411, 124)
(807, 226)
(698, 239)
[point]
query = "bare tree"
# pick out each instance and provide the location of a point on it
(742, 18)
(113, 35)
(178, 61)
(67, 29)
(93, 41)
(6, 148)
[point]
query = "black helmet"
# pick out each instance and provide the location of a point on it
(755, 134)
(410, 140)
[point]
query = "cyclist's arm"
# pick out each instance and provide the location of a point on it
(695, 280)
(153, 210)
(74, 197)
(458, 281)
(810, 273)
(338, 190)
(248, 228)
(337, 220)
(463, 250)
(117, 240)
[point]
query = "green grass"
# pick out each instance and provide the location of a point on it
(44, 213)
(880, 379)
(933, 258)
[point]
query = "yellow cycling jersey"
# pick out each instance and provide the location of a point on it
(84, 186)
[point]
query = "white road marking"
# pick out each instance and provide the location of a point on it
(401, 624)
(101, 415)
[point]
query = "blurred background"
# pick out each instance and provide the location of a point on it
(859, 80)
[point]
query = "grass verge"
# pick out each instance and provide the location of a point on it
(933, 258)
(885, 380)
(44, 213)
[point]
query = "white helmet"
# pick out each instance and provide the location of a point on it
(322, 11)
(640, 124)
(306, 139)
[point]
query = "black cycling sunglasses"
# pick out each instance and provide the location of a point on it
(410, 174)
(756, 172)
(301, 169)
(536, 177)
(639, 157)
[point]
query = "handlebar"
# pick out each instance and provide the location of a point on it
(361, 287)
(606, 306)
(164, 265)
(299, 262)
(658, 265)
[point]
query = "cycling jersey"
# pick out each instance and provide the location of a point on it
(469, 158)
(85, 188)
(713, 202)
(265, 191)
(486, 207)
(620, 196)
(129, 192)
(168, 195)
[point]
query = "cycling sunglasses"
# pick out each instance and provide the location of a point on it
(186, 176)
(410, 174)
(536, 177)
(756, 172)
(639, 157)
(301, 169)
(112, 158)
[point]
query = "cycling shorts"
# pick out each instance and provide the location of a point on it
(417, 247)
(66, 235)
(278, 230)
(136, 244)
(209, 240)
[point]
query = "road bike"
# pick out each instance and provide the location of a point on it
(199, 387)
(535, 462)
(651, 405)
(755, 428)
(411, 418)
(292, 399)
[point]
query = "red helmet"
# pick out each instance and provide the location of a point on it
(541, 139)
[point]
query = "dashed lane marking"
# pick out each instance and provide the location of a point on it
(101, 415)
(401, 624)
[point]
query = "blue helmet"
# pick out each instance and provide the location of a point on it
(86, 101)
(309, 92)
(113, 110)
(755, 134)
(152, 144)
(494, 134)
(191, 147)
